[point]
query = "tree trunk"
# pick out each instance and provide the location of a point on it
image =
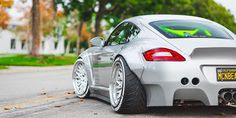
(79, 36)
(35, 28)
(68, 47)
(97, 25)
(100, 13)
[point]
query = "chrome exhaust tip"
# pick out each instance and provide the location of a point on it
(227, 96)
(234, 96)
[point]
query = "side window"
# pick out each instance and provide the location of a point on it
(133, 32)
(122, 34)
(118, 35)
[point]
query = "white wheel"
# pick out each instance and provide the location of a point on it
(117, 85)
(80, 79)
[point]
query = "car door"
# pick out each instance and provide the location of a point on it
(104, 57)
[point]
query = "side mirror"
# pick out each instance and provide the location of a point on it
(97, 41)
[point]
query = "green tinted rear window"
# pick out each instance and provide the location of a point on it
(189, 29)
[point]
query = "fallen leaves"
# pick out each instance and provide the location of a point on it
(11, 107)
(43, 93)
(49, 96)
(81, 100)
(57, 106)
(70, 92)
(7, 109)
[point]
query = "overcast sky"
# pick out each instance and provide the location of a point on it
(229, 4)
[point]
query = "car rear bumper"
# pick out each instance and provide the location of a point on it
(162, 82)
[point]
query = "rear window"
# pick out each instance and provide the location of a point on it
(189, 29)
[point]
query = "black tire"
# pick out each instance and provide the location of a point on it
(133, 98)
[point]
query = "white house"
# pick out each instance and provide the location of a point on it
(50, 46)
(11, 44)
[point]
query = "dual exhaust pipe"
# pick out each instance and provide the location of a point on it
(228, 96)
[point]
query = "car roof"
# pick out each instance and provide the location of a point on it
(146, 19)
(150, 18)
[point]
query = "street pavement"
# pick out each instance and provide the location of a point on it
(21, 82)
(38, 92)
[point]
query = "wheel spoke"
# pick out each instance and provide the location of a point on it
(117, 84)
(119, 94)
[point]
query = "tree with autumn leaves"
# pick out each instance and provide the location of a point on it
(42, 22)
(47, 21)
(5, 18)
(38, 21)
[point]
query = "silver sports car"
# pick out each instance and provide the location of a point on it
(159, 60)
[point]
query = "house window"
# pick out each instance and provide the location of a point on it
(23, 44)
(56, 44)
(13, 43)
(43, 45)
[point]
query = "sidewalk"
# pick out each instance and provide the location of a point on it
(28, 69)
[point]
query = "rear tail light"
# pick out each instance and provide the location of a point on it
(163, 54)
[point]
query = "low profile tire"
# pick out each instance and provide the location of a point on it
(80, 79)
(127, 95)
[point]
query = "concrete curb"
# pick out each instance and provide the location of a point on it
(28, 69)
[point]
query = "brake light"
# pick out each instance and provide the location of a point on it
(163, 54)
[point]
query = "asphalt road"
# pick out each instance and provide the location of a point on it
(47, 92)
(22, 81)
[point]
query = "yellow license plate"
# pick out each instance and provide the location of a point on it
(226, 74)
